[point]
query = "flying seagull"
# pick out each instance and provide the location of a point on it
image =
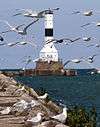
(61, 117)
(12, 44)
(16, 29)
(34, 14)
(29, 60)
(26, 42)
(87, 38)
(90, 59)
(86, 13)
(95, 45)
(73, 61)
(62, 40)
(87, 24)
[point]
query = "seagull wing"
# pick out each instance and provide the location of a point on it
(66, 62)
(1, 44)
(87, 24)
(60, 118)
(7, 23)
(6, 31)
(17, 14)
(90, 45)
(94, 56)
(19, 26)
(1, 38)
(30, 25)
(76, 39)
(76, 12)
(55, 9)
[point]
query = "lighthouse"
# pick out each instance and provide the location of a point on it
(48, 62)
(48, 52)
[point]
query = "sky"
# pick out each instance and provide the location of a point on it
(65, 25)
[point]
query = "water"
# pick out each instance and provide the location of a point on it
(78, 90)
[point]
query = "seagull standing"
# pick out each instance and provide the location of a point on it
(33, 103)
(43, 96)
(36, 120)
(61, 117)
(5, 111)
(21, 104)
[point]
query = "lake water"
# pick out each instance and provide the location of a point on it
(77, 90)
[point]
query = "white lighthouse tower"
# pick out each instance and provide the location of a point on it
(48, 52)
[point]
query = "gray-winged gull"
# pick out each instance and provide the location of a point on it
(61, 117)
(16, 29)
(35, 120)
(5, 111)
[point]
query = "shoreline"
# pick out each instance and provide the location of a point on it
(11, 92)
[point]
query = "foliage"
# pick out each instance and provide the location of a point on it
(80, 117)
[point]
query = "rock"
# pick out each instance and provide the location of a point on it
(18, 116)
(53, 107)
(61, 125)
(50, 123)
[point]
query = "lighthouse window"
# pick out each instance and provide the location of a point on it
(48, 32)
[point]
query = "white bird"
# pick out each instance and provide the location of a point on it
(86, 13)
(98, 71)
(87, 24)
(62, 40)
(5, 111)
(21, 104)
(26, 42)
(33, 103)
(43, 96)
(11, 44)
(87, 38)
(73, 61)
(12, 28)
(16, 29)
(29, 60)
(36, 120)
(61, 117)
(34, 14)
(20, 89)
(95, 45)
(90, 59)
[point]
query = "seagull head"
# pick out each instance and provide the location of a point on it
(40, 114)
